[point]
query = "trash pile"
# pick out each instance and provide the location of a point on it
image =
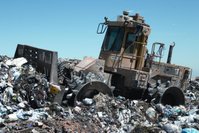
(26, 105)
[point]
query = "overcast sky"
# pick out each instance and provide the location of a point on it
(69, 27)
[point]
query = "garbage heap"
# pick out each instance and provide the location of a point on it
(26, 105)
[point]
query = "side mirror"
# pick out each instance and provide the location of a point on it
(101, 28)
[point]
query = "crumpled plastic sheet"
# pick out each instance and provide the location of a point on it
(190, 130)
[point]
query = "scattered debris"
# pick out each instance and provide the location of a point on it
(26, 105)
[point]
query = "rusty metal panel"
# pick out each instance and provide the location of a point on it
(89, 64)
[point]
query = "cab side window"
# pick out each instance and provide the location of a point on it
(129, 45)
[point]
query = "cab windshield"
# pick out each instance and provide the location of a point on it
(113, 39)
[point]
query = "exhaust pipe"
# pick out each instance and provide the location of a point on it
(170, 53)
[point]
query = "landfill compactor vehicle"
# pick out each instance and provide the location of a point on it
(131, 70)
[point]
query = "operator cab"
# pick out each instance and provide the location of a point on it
(124, 44)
